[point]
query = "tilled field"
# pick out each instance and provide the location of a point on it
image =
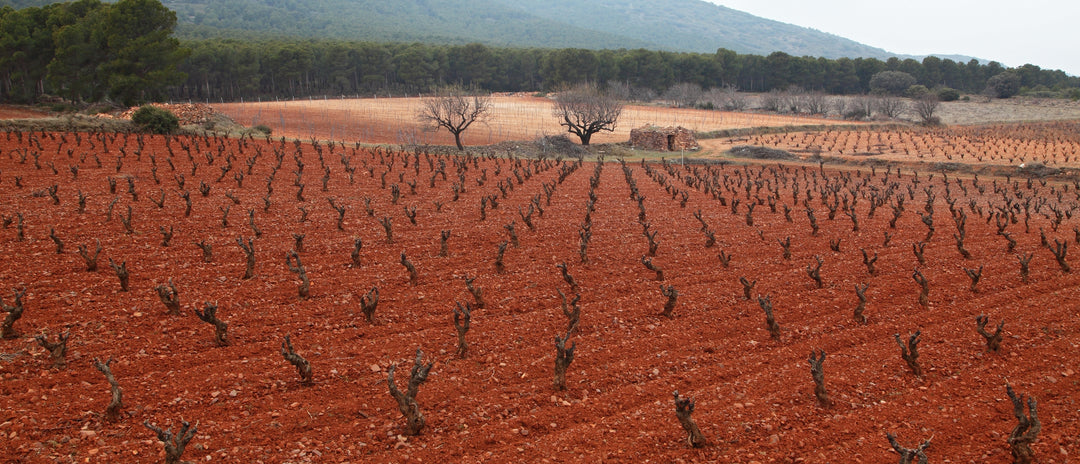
(512, 118)
(754, 394)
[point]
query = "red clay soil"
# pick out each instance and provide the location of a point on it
(754, 395)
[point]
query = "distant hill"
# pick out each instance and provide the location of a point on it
(675, 25)
(697, 26)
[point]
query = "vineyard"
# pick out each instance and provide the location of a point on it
(1053, 144)
(261, 298)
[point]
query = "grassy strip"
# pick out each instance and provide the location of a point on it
(748, 131)
(70, 123)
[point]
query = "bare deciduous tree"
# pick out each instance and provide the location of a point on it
(733, 100)
(925, 106)
(586, 110)
(890, 106)
(454, 111)
(684, 94)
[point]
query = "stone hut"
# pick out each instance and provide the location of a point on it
(663, 138)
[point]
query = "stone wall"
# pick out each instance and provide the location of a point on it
(663, 139)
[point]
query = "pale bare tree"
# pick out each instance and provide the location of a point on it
(585, 110)
(733, 100)
(684, 94)
(816, 103)
(889, 106)
(454, 110)
(925, 106)
(772, 101)
(839, 105)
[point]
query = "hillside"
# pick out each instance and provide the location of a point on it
(697, 26)
(676, 25)
(432, 21)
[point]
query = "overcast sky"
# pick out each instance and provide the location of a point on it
(1040, 32)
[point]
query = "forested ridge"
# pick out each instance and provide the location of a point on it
(673, 25)
(86, 51)
(233, 69)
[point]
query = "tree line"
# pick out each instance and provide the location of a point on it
(234, 69)
(87, 51)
